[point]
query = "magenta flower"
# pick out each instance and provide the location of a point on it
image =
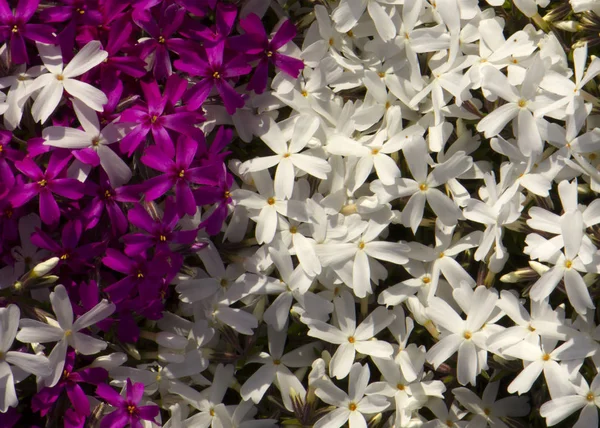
(44, 400)
(177, 173)
(17, 29)
(45, 184)
(220, 195)
(224, 19)
(69, 251)
(106, 199)
(215, 71)
(152, 118)
(161, 39)
(139, 274)
(256, 43)
(128, 411)
(7, 153)
(159, 233)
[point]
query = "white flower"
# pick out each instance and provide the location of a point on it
(468, 337)
(59, 79)
(583, 396)
(288, 155)
(25, 363)
(351, 406)
(349, 337)
(66, 333)
(92, 137)
(487, 411)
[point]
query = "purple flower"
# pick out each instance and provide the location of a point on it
(128, 411)
(176, 173)
(70, 253)
(215, 70)
(107, 199)
(224, 20)
(159, 233)
(140, 274)
(220, 195)
(16, 28)
(256, 43)
(44, 400)
(7, 153)
(45, 184)
(152, 118)
(161, 39)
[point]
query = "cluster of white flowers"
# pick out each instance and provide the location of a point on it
(415, 178)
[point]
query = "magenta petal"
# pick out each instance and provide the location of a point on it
(186, 150)
(28, 167)
(129, 65)
(140, 218)
(18, 50)
(6, 15)
(78, 399)
(226, 14)
(252, 24)
(162, 63)
(88, 156)
(288, 64)
(117, 261)
(25, 194)
(230, 97)
(135, 392)
(163, 140)
(215, 55)
(25, 9)
(93, 375)
(117, 419)
(67, 187)
(258, 82)
(71, 233)
(158, 186)
(137, 243)
(39, 33)
(148, 413)
(185, 199)
(172, 19)
(49, 211)
(196, 95)
(284, 34)
(117, 218)
(174, 88)
(156, 159)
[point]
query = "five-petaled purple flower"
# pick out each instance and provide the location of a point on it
(128, 411)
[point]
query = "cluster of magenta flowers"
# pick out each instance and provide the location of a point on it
(112, 164)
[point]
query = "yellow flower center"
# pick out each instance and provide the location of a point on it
(153, 119)
(352, 407)
(216, 75)
(426, 280)
(162, 238)
(293, 229)
(131, 409)
(182, 173)
(568, 264)
(42, 182)
(400, 387)
(269, 54)
(161, 39)
(590, 397)
(522, 103)
(271, 201)
(60, 77)
(304, 93)
(15, 29)
(351, 339)
(546, 357)
(423, 187)
(467, 335)
(361, 245)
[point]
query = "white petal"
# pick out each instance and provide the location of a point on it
(336, 418)
(257, 384)
(89, 95)
(444, 349)
(375, 348)
(560, 408)
(377, 320)
(494, 122)
(70, 138)
(524, 380)
(266, 226)
(99, 312)
(259, 164)
(9, 320)
(8, 395)
(571, 225)
(278, 313)
(386, 169)
(33, 331)
(544, 286)
(87, 117)
(36, 364)
(467, 363)
(413, 211)
(361, 274)
(87, 58)
(342, 360)
(116, 169)
(442, 314)
(393, 252)
(577, 292)
(383, 23)
(284, 179)
(313, 165)
(86, 345)
(46, 101)
(304, 129)
(444, 207)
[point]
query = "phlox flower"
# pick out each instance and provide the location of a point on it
(128, 411)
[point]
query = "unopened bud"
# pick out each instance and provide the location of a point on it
(570, 26)
(44, 267)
